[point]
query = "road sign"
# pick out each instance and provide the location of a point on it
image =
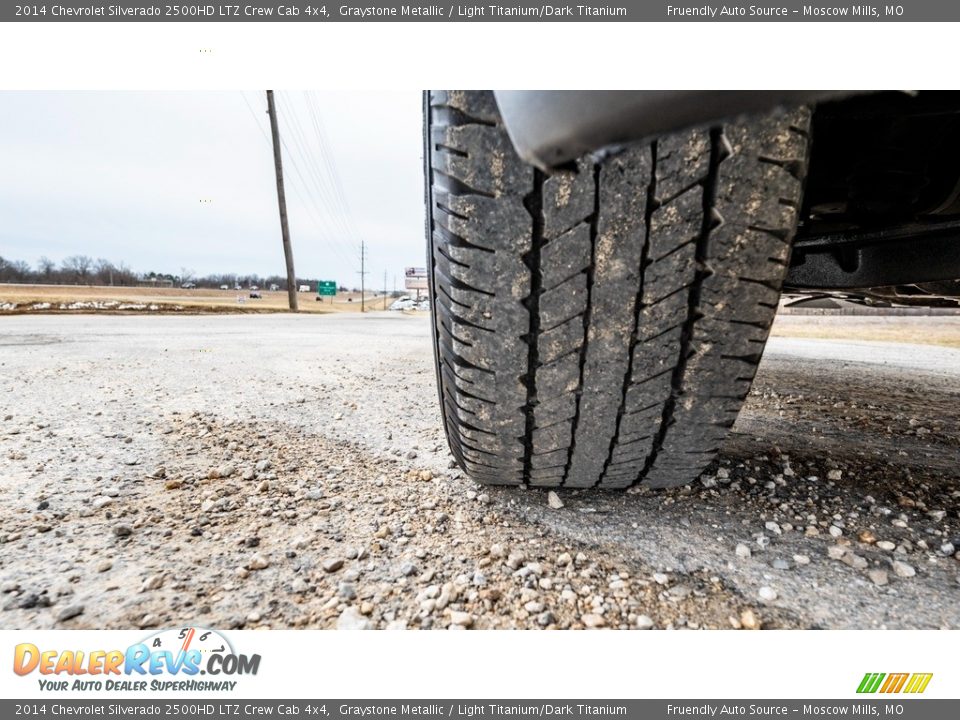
(415, 278)
(327, 287)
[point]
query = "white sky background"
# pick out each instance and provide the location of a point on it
(121, 175)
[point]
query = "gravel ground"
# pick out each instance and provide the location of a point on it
(290, 471)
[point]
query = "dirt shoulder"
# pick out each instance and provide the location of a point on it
(290, 471)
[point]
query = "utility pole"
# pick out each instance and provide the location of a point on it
(282, 202)
(384, 289)
(363, 275)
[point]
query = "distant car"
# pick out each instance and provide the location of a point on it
(274, 287)
(403, 303)
(188, 286)
(224, 287)
(255, 295)
(254, 287)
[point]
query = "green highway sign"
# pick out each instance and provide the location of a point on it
(327, 287)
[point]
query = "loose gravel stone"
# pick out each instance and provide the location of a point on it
(767, 594)
(153, 582)
(858, 562)
(463, 619)
(836, 552)
(749, 620)
(644, 622)
(878, 577)
(69, 612)
(258, 562)
(902, 569)
(554, 501)
(591, 620)
(351, 619)
(331, 565)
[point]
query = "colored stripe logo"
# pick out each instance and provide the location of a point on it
(894, 683)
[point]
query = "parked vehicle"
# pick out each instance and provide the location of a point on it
(605, 266)
(402, 303)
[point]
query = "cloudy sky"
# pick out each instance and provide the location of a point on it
(122, 176)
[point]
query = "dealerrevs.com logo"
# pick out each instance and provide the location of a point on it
(169, 660)
(911, 683)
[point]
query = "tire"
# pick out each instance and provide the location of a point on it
(600, 326)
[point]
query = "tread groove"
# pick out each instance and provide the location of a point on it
(594, 230)
(717, 143)
(651, 205)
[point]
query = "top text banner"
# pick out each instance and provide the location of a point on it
(516, 11)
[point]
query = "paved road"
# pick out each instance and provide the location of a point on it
(115, 424)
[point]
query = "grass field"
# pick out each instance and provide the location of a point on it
(919, 330)
(933, 330)
(83, 298)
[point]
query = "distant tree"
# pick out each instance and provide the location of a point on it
(21, 271)
(78, 266)
(46, 266)
(14, 271)
(104, 271)
(123, 275)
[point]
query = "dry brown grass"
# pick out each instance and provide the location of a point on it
(919, 330)
(196, 300)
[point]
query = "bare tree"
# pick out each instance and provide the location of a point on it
(79, 266)
(104, 271)
(46, 266)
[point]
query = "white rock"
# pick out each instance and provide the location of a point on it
(835, 552)
(351, 619)
(463, 619)
(152, 583)
(902, 569)
(258, 562)
(554, 501)
(767, 594)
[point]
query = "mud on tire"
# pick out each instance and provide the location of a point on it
(601, 325)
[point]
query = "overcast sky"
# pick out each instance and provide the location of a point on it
(121, 175)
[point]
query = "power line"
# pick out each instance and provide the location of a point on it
(324, 185)
(322, 225)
